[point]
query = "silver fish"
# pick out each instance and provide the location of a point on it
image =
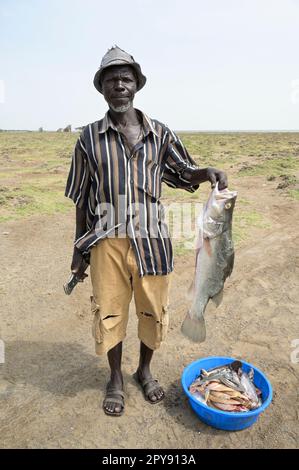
(247, 383)
(228, 377)
(214, 259)
(235, 365)
(199, 397)
(230, 381)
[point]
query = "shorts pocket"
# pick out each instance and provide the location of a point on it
(97, 323)
(105, 324)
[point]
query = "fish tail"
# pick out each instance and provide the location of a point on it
(194, 328)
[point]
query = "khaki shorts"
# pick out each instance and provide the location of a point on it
(114, 277)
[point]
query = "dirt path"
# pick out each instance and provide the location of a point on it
(52, 383)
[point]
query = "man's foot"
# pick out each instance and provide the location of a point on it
(152, 390)
(114, 403)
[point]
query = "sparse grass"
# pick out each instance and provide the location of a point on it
(30, 200)
(34, 168)
(294, 193)
(244, 220)
(271, 166)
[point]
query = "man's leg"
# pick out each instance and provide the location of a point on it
(112, 293)
(144, 373)
(116, 380)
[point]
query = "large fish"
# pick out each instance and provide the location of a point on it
(214, 259)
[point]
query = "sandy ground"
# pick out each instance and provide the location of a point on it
(52, 383)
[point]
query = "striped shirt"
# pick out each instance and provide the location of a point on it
(121, 189)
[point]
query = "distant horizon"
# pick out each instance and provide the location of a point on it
(186, 131)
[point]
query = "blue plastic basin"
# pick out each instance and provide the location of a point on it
(229, 421)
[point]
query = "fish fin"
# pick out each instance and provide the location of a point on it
(207, 394)
(217, 299)
(230, 265)
(194, 329)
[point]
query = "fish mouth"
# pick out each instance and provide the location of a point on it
(225, 193)
(227, 197)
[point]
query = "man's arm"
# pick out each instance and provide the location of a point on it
(201, 175)
(181, 169)
(79, 265)
(77, 189)
(80, 221)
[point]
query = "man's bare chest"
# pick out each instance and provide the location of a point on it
(132, 135)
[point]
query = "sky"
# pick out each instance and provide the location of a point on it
(210, 65)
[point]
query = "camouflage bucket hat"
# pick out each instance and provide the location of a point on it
(116, 56)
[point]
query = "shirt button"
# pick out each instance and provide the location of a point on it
(132, 181)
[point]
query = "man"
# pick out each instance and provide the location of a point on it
(115, 181)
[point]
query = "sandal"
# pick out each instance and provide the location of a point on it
(114, 395)
(149, 386)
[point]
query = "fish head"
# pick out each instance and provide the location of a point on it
(218, 211)
(228, 206)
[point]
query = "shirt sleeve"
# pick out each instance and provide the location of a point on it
(176, 160)
(79, 181)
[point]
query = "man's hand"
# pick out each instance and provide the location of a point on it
(79, 265)
(197, 175)
(215, 175)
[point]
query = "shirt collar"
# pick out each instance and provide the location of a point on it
(148, 126)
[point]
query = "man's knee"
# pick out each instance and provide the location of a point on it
(153, 327)
(108, 329)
